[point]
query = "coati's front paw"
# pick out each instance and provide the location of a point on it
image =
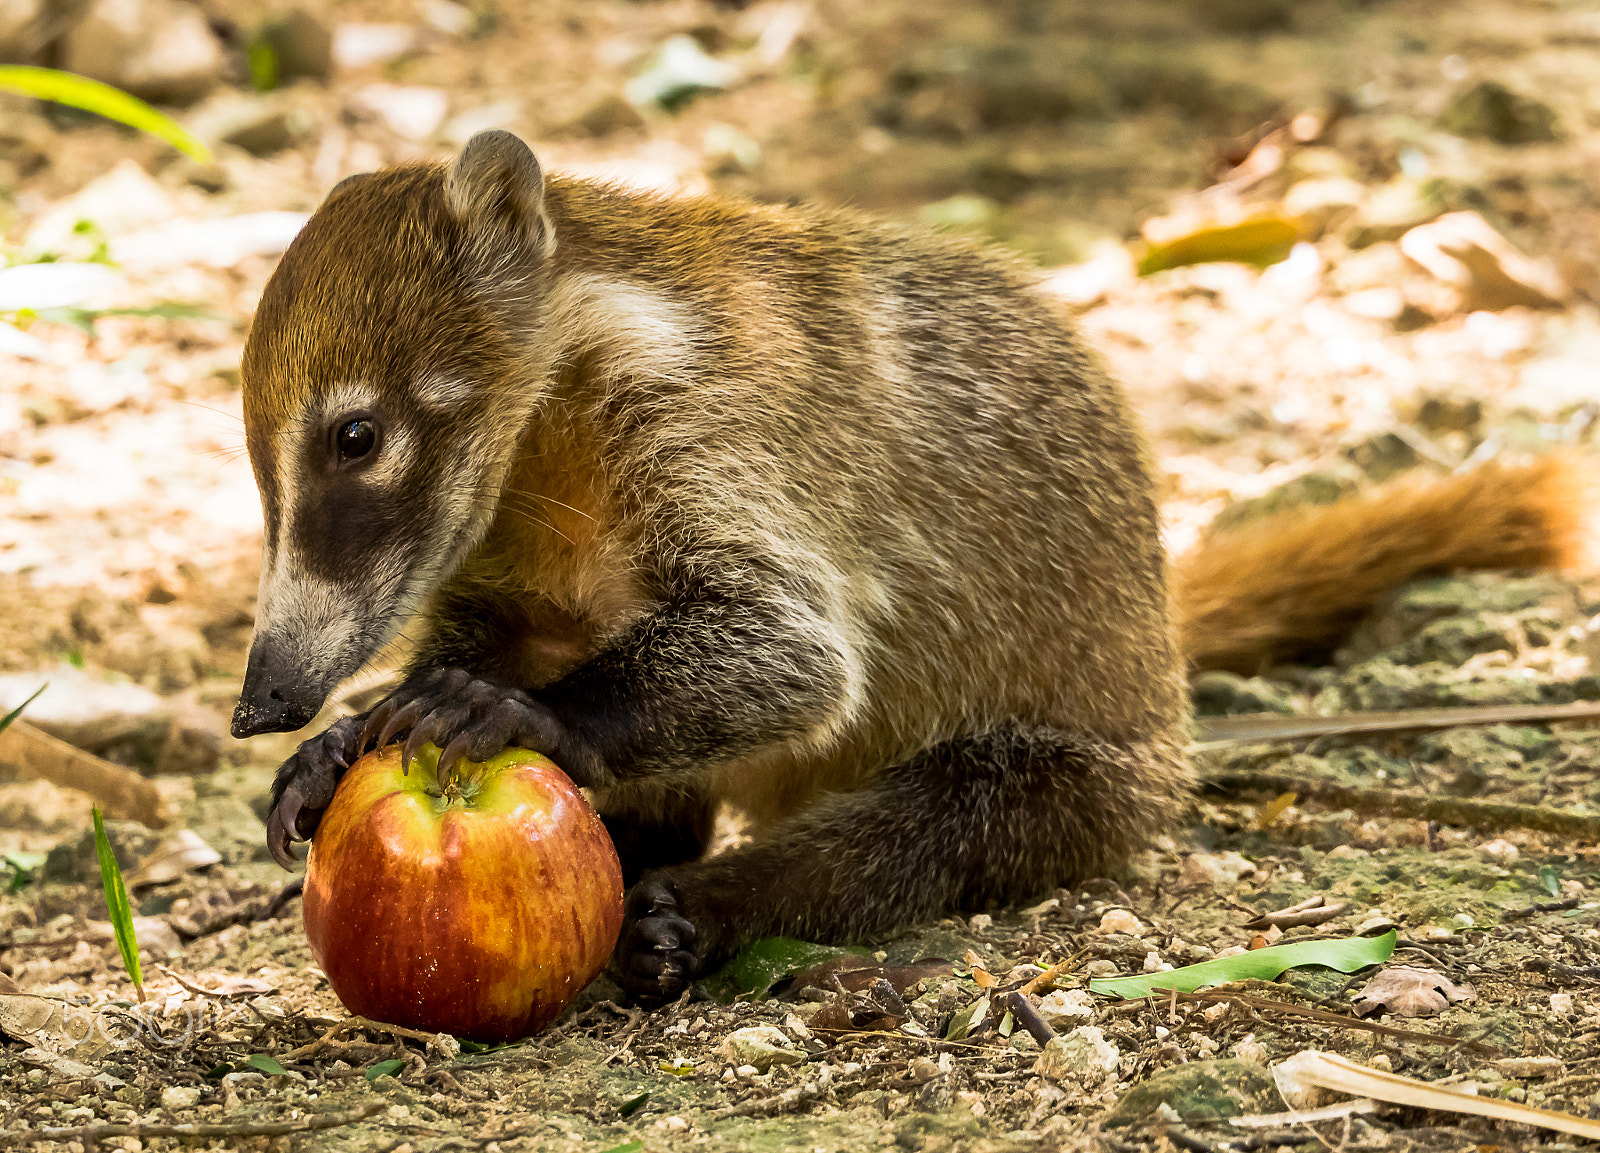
(473, 717)
(656, 957)
(305, 785)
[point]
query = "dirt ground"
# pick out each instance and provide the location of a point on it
(129, 529)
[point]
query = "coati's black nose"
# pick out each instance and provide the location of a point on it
(276, 698)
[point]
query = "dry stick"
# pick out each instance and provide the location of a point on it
(1028, 1017)
(1391, 803)
(1224, 732)
(120, 792)
(1263, 1004)
(88, 1133)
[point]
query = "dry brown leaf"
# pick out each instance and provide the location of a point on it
(984, 979)
(856, 973)
(1409, 992)
(1313, 1069)
(55, 1026)
(181, 853)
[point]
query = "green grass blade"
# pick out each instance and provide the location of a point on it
(384, 1068)
(5, 721)
(267, 1063)
(117, 905)
(102, 99)
(1345, 954)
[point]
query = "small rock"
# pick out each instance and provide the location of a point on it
(76, 860)
(449, 18)
(609, 113)
(1526, 1067)
(1083, 1055)
(1197, 1092)
(1121, 921)
(1215, 869)
(411, 112)
(1491, 111)
(261, 124)
(367, 45)
(1346, 852)
(1222, 694)
(1249, 1049)
(759, 1047)
(1561, 1003)
(158, 50)
(1066, 1009)
(154, 934)
(1500, 851)
(301, 44)
(980, 922)
(176, 1098)
(1101, 967)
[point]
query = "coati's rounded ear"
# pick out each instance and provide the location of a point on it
(496, 188)
(347, 183)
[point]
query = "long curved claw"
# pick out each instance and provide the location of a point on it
(278, 840)
(421, 733)
(376, 720)
(402, 718)
(454, 751)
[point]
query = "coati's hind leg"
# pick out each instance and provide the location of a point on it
(672, 831)
(970, 823)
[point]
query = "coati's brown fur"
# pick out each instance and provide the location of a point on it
(829, 519)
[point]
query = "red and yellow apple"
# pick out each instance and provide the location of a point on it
(477, 905)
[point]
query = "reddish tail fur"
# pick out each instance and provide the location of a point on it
(1296, 580)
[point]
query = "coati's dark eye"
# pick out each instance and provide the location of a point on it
(354, 439)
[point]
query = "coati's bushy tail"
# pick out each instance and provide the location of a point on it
(1295, 580)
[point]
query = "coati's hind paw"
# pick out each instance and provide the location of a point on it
(305, 785)
(656, 958)
(473, 717)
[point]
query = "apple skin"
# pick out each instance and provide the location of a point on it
(480, 908)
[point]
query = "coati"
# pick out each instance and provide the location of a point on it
(834, 521)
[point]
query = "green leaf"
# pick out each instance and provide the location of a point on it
(102, 99)
(468, 1046)
(1260, 241)
(5, 721)
(83, 319)
(384, 1068)
(1345, 954)
(22, 866)
(267, 1063)
(632, 1105)
(967, 1020)
(263, 62)
(218, 1072)
(755, 967)
(631, 1147)
(1550, 880)
(117, 905)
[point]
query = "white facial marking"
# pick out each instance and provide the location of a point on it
(642, 329)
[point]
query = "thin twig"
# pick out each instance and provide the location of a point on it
(1264, 1005)
(90, 1133)
(1390, 802)
(1226, 732)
